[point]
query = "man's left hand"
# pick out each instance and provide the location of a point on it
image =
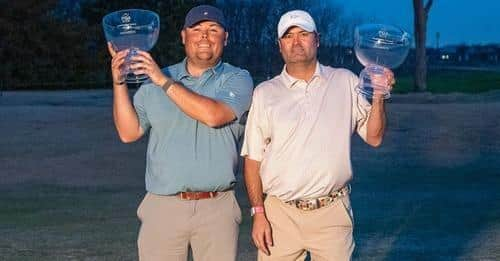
(143, 63)
(262, 233)
(382, 83)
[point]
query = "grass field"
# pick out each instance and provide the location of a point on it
(447, 81)
(48, 222)
(444, 81)
(69, 189)
(53, 222)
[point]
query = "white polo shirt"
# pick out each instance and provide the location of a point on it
(301, 132)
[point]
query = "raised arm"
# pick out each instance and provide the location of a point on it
(124, 114)
(210, 112)
(375, 128)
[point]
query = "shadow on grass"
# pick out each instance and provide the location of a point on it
(421, 213)
(428, 214)
(47, 222)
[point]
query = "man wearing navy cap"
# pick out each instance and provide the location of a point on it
(193, 113)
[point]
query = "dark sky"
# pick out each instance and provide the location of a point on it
(457, 21)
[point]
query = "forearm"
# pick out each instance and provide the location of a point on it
(376, 123)
(124, 115)
(206, 110)
(253, 182)
(261, 229)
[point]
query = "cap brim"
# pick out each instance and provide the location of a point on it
(203, 20)
(306, 27)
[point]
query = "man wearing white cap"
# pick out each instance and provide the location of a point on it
(297, 150)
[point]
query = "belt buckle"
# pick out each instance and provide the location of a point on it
(188, 195)
(212, 194)
(184, 196)
(197, 195)
(306, 204)
(316, 203)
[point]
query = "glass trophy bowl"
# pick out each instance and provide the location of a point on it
(377, 47)
(133, 29)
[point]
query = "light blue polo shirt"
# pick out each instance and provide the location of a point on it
(184, 154)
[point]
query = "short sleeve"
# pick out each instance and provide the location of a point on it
(256, 130)
(140, 108)
(236, 92)
(361, 108)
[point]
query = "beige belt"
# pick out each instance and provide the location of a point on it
(315, 203)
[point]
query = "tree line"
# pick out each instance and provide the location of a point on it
(44, 49)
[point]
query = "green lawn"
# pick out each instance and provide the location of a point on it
(48, 222)
(452, 81)
(443, 81)
(52, 222)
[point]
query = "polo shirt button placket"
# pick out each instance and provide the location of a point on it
(308, 96)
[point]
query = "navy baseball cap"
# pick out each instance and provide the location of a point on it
(204, 13)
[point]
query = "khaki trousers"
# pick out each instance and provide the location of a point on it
(325, 232)
(170, 224)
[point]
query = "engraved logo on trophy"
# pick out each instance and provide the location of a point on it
(126, 18)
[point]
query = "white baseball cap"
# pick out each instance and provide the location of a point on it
(298, 18)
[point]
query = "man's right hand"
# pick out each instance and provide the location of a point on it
(382, 83)
(117, 63)
(261, 233)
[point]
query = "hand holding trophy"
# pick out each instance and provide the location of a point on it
(134, 30)
(379, 47)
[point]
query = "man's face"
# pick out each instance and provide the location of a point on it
(204, 42)
(299, 46)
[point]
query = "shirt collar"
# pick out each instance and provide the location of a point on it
(291, 81)
(183, 72)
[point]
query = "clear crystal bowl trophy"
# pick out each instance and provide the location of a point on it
(378, 46)
(133, 29)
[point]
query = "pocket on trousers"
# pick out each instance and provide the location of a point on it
(236, 208)
(140, 208)
(346, 203)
